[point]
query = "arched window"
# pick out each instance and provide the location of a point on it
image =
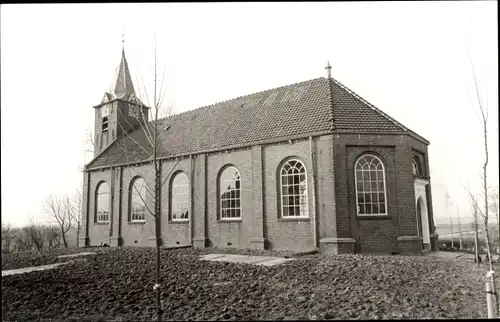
(293, 189)
(230, 193)
(102, 202)
(179, 197)
(416, 167)
(137, 199)
(370, 186)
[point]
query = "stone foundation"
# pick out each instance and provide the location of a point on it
(84, 241)
(200, 242)
(337, 245)
(115, 241)
(434, 242)
(410, 245)
(258, 243)
(152, 241)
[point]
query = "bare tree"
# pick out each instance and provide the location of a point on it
(494, 209)
(448, 203)
(22, 241)
(151, 124)
(484, 213)
(35, 232)
(75, 205)
(8, 238)
(89, 141)
(475, 225)
(53, 236)
(59, 210)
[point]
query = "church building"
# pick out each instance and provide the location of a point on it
(306, 166)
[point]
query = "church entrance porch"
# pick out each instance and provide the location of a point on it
(422, 212)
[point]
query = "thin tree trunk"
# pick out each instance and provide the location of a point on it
(157, 201)
(451, 227)
(64, 237)
(459, 229)
(498, 227)
(78, 235)
(476, 244)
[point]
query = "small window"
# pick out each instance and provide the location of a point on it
(230, 194)
(370, 186)
(102, 203)
(137, 197)
(179, 194)
(293, 189)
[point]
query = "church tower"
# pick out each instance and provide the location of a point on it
(120, 110)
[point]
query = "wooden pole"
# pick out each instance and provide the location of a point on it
(451, 227)
(490, 302)
(459, 229)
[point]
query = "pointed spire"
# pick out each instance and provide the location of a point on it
(329, 70)
(123, 84)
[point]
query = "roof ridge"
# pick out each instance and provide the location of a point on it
(239, 97)
(368, 104)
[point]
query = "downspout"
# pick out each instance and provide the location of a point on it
(160, 193)
(315, 208)
(87, 217)
(191, 193)
(120, 217)
(111, 211)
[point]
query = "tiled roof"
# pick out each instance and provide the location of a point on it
(292, 111)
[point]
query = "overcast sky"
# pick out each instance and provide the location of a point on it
(410, 59)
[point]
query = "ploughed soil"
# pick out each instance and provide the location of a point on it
(117, 284)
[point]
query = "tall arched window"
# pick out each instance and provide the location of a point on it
(179, 197)
(230, 193)
(102, 202)
(293, 189)
(370, 186)
(137, 198)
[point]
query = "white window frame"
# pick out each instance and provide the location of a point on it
(235, 176)
(100, 214)
(135, 216)
(174, 194)
(301, 196)
(357, 190)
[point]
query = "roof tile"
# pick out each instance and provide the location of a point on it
(281, 113)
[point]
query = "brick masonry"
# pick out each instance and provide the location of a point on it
(329, 162)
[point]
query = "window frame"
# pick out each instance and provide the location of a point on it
(131, 193)
(357, 192)
(96, 201)
(172, 197)
(221, 199)
(281, 196)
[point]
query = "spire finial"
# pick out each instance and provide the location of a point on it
(329, 69)
(123, 40)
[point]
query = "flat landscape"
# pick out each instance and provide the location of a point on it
(117, 284)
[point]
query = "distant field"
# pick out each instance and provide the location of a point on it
(116, 284)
